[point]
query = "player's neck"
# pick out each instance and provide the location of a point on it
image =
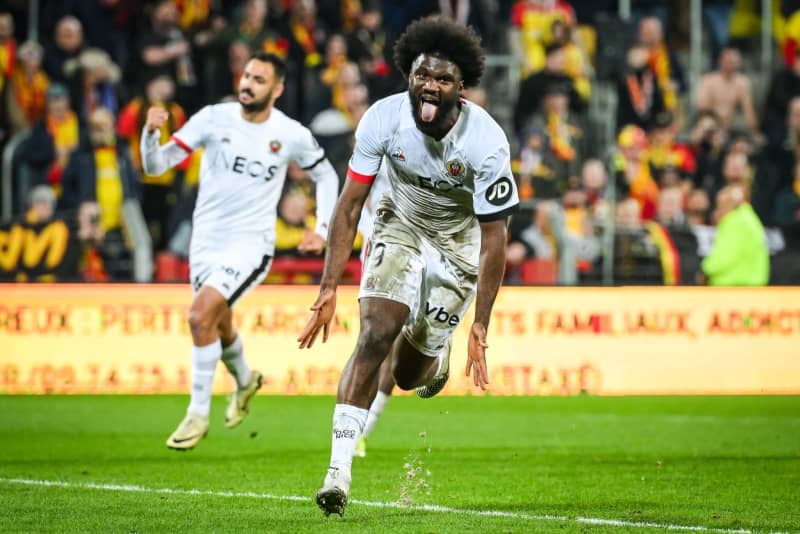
(256, 116)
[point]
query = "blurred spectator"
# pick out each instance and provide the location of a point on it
(480, 14)
(739, 256)
(697, 205)
(594, 179)
(8, 48)
(784, 86)
(477, 95)
(634, 179)
(628, 215)
(787, 203)
(662, 61)
(531, 25)
(53, 139)
(537, 167)
(165, 50)
(294, 220)
(666, 156)
(727, 90)
(27, 88)
(334, 127)
(565, 135)
(708, 141)
(8, 58)
(41, 205)
(576, 64)
(226, 81)
(736, 170)
(670, 207)
(639, 96)
(107, 24)
(328, 91)
(158, 198)
(307, 37)
(367, 46)
(250, 27)
(103, 174)
(532, 89)
(93, 79)
(67, 45)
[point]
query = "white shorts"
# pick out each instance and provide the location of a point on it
(233, 269)
(404, 267)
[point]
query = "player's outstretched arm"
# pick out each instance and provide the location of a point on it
(327, 185)
(340, 245)
(490, 275)
(157, 159)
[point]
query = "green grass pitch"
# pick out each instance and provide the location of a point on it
(580, 464)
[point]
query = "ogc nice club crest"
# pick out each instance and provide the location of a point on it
(454, 167)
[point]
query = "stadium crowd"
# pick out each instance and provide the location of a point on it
(698, 184)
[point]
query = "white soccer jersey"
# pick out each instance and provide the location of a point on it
(243, 170)
(443, 188)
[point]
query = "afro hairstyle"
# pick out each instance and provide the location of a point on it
(444, 38)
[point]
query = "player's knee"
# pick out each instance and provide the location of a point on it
(375, 340)
(201, 321)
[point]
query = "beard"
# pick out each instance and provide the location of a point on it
(256, 106)
(443, 109)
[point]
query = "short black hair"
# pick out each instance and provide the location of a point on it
(277, 62)
(446, 38)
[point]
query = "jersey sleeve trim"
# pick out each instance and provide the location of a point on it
(489, 217)
(360, 178)
(309, 167)
(183, 145)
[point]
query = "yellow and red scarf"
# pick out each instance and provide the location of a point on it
(30, 93)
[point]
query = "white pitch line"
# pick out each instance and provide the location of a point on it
(418, 507)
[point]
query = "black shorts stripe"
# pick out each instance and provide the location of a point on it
(249, 280)
(320, 160)
(489, 217)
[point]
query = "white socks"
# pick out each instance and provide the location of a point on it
(348, 423)
(375, 411)
(204, 363)
(233, 358)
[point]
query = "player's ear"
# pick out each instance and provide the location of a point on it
(278, 91)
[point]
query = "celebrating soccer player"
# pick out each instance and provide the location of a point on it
(439, 233)
(248, 146)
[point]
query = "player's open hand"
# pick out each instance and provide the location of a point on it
(323, 309)
(312, 243)
(476, 356)
(156, 117)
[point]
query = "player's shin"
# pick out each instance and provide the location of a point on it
(348, 424)
(233, 358)
(204, 363)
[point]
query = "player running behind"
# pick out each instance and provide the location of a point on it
(248, 146)
(439, 235)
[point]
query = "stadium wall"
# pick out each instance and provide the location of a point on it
(542, 341)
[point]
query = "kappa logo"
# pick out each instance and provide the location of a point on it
(398, 154)
(275, 146)
(499, 192)
(454, 167)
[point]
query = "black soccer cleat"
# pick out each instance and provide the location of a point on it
(436, 385)
(332, 500)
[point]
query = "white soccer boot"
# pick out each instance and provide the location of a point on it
(192, 429)
(239, 404)
(439, 380)
(332, 497)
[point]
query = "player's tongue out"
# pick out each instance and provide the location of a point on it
(427, 111)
